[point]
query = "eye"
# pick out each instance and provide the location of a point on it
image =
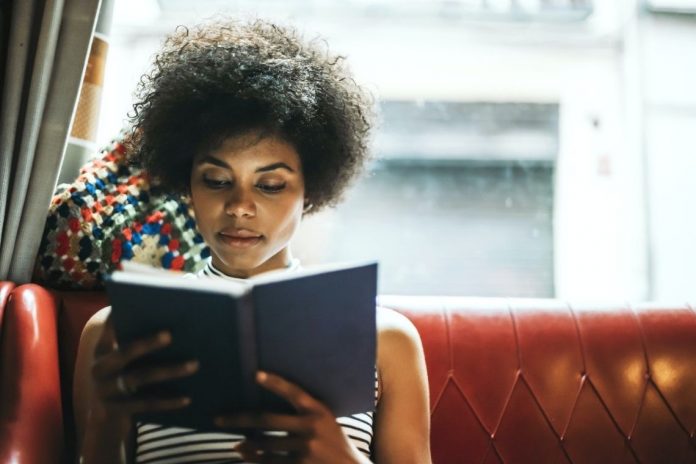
(270, 188)
(215, 183)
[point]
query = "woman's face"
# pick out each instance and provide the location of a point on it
(248, 197)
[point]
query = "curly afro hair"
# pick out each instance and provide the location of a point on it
(226, 78)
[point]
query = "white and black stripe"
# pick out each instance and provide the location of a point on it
(211, 271)
(156, 444)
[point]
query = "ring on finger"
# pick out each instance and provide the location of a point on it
(123, 387)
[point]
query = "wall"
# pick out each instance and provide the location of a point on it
(593, 70)
(668, 63)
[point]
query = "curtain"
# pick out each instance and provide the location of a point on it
(45, 47)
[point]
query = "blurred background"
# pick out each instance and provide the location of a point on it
(525, 148)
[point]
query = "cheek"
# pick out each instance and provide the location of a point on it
(203, 209)
(287, 219)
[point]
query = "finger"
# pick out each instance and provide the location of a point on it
(300, 399)
(146, 376)
(301, 425)
(112, 363)
(138, 406)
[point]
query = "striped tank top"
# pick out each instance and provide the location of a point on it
(157, 444)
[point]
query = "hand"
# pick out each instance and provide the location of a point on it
(313, 436)
(117, 384)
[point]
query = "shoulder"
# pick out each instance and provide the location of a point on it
(98, 319)
(94, 327)
(398, 344)
(402, 430)
(393, 328)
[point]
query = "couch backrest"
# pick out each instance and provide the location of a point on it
(541, 381)
(75, 310)
(31, 414)
(526, 381)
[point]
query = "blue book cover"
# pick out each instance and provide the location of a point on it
(316, 328)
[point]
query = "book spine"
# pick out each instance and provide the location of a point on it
(247, 346)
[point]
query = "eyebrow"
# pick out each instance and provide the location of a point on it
(271, 167)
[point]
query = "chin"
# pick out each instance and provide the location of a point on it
(239, 259)
(240, 263)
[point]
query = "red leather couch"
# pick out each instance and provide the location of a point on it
(511, 381)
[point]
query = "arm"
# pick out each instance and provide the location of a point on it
(105, 394)
(97, 436)
(402, 429)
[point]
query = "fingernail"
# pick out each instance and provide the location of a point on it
(165, 337)
(261, 376)
(192, 366)
(186, 401)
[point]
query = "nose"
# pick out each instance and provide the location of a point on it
(240, 204)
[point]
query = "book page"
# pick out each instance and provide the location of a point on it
(280, 274)
(141, 274)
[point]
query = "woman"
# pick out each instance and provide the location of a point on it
(258, 129)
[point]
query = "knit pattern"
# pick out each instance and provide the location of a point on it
(111, 213)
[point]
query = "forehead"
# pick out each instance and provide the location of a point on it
(255, 148)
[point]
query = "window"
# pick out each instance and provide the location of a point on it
(459, 202)
(526, 135)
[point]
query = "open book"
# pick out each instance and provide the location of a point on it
(316, 328)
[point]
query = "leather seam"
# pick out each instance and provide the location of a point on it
(627, 439)
(651, 381)
(506, 405)
(576, 323)
(648, 369)
(559, 441)
(471, 407)
(441, 391)
(583, 380)
(516, 335)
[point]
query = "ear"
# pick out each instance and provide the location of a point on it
(307, 206)
(186, 195)
(187, 199)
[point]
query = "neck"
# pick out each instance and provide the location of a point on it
(281, 260)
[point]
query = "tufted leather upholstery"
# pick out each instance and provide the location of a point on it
(31, 415)
(511, 381)
(540, 381)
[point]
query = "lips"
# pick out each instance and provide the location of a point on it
(240, 238)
